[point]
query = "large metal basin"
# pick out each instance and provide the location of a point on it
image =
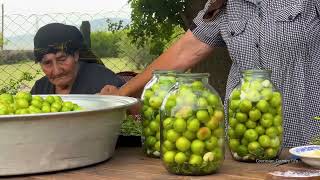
(55, 141)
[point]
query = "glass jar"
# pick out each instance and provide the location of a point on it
(152, 97)
(255, 118)
(192, 127)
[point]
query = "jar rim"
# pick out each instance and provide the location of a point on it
(256, 71)
(194, 75)
(158, 71)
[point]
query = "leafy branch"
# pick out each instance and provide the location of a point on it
(15, 85)
(131, 127)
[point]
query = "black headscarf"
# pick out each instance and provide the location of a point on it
(55, 37)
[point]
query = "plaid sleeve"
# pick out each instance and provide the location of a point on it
(208, 31)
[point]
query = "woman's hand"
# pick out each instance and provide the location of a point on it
(110, 90)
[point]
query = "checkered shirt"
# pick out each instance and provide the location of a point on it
(283, 36)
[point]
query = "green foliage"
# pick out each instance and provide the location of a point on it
(104, 44)
(15, 85)
(130, 127)
(177, 33)
(131, 52)
(115, 26)
(157, 20)
(117, 44)
(15, 56)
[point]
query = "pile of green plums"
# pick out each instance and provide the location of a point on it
(192, 130)
(25, 103)
(152, 98)
(255, 120)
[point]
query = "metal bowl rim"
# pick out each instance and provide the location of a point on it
(130, 101)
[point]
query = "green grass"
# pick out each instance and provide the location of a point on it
(14, 71)
(120, 64)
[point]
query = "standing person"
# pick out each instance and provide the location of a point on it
(69, 66)
(283, 36)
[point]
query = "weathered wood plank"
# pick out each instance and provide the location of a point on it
(130, 163)
(19, 178)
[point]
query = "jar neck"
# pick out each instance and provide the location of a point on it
(256, 74)
(189, 78)
(158, 73)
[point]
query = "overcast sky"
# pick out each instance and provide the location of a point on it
(26, 16)
(63, 6)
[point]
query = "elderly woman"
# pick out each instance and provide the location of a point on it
(69, 66)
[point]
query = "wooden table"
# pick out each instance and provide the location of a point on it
(130, 163)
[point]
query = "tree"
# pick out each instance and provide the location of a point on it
(131, 52)
(115, 26)
(105, 43)
(158, 19)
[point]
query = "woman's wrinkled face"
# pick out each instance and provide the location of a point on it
(60, 68)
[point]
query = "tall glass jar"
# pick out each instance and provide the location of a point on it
(255, 117)
(192, 127)
(152, 97)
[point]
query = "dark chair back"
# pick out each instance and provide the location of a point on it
(126, 75)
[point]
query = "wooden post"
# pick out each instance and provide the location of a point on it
(2, 24)
(86, 31)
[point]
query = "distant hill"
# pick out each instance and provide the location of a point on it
(25, 41)
(21, 42)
